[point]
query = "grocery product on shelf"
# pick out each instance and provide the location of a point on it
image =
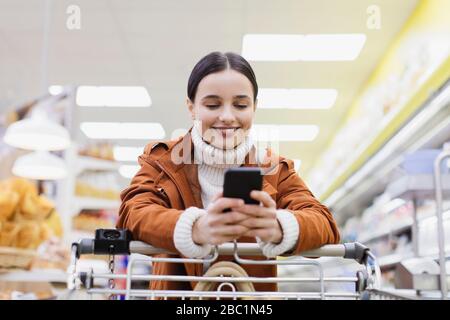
(16, 258)
(427, 235)
(19, 290)
(388, 279)
(380, 103)
(8, 203)
(389, 233)
(27, 219)
(52, 254)
(90, 220)
(421, 161)
(34, 207)
(98, 185)
(100, 150)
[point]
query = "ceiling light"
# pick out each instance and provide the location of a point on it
(123, 130)
(90, 96)
(332, 47)
(37, 133)
(298, 47)
(40, 165)
(55, 90)
(296, 98)
(268, 132)
(128, 171)
(271, 47)
(127, 153)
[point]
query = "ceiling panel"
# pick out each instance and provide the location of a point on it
(156, 44)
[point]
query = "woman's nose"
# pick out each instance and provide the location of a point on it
(227, 115)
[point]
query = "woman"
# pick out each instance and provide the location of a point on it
(175, 202)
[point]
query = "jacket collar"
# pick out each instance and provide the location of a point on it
(172, 161)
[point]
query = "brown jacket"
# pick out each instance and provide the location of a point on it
(163, 189)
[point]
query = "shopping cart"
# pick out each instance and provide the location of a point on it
(114, 242)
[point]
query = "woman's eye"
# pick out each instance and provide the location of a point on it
(241, 106)
(212, 106)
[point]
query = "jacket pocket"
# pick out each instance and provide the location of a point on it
(162, 192)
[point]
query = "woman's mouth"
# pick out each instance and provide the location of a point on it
(226, 131)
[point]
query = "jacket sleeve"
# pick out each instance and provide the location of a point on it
(316, 223)
(145, 211)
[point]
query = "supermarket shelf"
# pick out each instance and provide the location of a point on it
(90, 163)
(417, 186)
(89, 203)
(388, 129)
(398, 228)
(37, 275)
(96, 203)
(430, 128)
(392, 260)
(381, 233)
(408, 187)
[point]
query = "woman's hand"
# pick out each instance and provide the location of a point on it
(262, 219)
(218, 227)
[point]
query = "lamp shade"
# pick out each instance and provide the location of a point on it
(38, 133)
(40, 165)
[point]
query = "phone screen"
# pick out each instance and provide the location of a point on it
(239, 182)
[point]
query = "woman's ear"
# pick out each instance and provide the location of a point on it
(190, 106)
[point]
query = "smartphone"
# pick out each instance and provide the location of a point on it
(239, 182)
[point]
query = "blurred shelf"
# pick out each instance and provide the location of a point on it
(90, 203)
(398, 228)
(91, 163)
(419, 186)
(392, 124)
(429, 128)
(392, 260)
(36, 275)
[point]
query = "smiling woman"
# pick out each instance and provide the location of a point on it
(222, 93)
(179, 206)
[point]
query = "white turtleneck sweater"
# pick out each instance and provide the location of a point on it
(212, 164)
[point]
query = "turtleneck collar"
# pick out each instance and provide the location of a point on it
(205, 153)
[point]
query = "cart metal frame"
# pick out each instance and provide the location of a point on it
(366, 281)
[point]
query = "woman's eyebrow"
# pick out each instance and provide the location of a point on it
(211, 96)
(242, 96)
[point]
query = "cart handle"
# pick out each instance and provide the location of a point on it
(354, 250)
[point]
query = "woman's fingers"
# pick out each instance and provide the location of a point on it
(233, 217)
(257, 211)
(229, 231)
(263, 197)
(258, 223)
(226, 233)
(224, 203)
(242, 219)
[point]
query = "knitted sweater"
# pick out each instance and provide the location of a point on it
(212, 164)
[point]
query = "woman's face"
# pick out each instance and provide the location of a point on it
(224, 107)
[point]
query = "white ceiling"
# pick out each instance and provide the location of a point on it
(156, 44)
